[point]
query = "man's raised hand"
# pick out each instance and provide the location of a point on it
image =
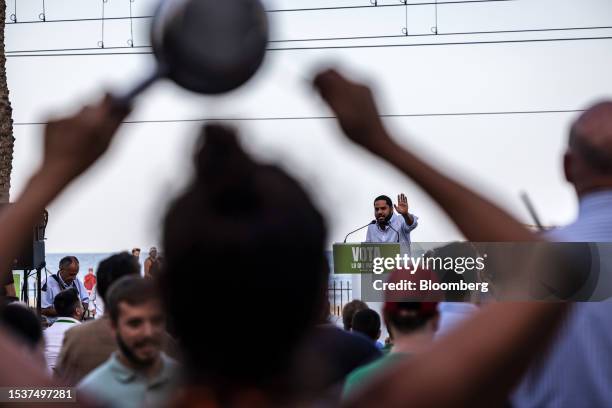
(402, 204)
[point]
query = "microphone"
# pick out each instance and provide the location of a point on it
(388, 224)
(359, 229)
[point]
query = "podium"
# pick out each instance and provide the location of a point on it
(358, 258)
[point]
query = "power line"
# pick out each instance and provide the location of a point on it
(75, 20)
(84, 54)
(429, 3)
(271, 11)
(371, 37)
(537, 40)
(332, 47)
(297, 118)
(18, 52)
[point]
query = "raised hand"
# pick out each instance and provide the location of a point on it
(402, 204)
(71, 146)
(74, 143)
(355, 108)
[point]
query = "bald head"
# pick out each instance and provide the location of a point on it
(591, 136)
(588, 162)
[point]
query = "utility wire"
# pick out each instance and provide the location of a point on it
(373, 37)
(296, 118)
(369, 37)
(75, 20)
(539, 40)
(17, 52)
(402, 4)
(273, 11)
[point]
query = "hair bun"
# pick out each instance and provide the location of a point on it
(225, 171)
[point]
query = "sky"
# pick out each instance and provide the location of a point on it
(119, 204)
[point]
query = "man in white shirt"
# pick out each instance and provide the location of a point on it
(64, 279)
(70, 312)
(391, 227)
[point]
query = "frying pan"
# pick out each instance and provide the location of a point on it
(205, 46)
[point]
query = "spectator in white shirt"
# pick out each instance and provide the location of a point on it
(70, 312)
(64, 279)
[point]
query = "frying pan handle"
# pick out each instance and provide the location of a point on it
(124, 99)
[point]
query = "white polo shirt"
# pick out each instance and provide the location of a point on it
(54, 338)
(53, 288)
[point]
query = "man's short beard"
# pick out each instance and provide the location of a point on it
(388, 217)
(386, 221)
(131, 356)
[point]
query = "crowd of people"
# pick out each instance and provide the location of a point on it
(159, 345)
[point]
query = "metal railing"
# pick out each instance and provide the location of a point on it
(339, 293)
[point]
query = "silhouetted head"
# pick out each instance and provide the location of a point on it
(68, 304)
(244, 249)
(588, 160)
(349, 310)
(23, 323)
(113, 268)
(404, 318)
(367, 322)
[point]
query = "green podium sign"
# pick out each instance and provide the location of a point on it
(17, 281)
(358, 258)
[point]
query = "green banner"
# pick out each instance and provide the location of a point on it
(359, 258)
(17, 280)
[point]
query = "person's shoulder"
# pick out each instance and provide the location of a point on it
(99, 376)
(334, 330)
(85, 327)
(50, 281)
(169, 363)
(55, 329)
(350, 341)
(171, 369)
(98, 384)
(64, 326)
(361, 374)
